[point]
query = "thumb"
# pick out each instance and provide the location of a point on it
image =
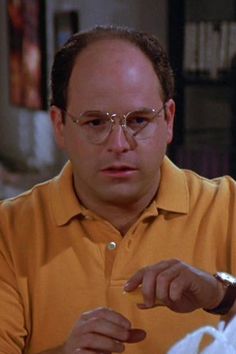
(136, 335)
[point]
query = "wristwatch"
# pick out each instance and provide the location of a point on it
(229, 281)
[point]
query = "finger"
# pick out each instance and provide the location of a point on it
(136, 335)
(136, 296)
(164, 280)
(97, 342)
(106, 328)
(109, 315)
(149, 288)
(85, 351)
(190, 280)
(135, 280)
(178, 287)
(182, 297)
(148, 277)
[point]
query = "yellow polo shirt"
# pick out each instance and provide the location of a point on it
(58, 259)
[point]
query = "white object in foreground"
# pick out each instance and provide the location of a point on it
(224, 340)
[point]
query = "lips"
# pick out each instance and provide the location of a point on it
(119, 168)
(120, 171)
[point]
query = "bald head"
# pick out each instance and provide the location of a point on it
(67, 56)
(113, 68)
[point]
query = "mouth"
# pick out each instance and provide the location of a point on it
(119, 170)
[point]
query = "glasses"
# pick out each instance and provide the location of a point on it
(96, 126)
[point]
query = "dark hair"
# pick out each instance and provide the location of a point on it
(65, 59)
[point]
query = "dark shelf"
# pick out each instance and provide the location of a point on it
(199, 80)
(183, 150)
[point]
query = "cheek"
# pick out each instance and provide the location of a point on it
(73, 142)
(152, 151)
(71, 146)
(157, 144)
(83, 155)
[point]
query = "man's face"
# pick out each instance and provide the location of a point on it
(114, 76)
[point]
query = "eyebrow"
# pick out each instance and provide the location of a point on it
(140, 109)
(143, 109)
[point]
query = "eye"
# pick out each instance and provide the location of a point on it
(138, 120)
(96, 122)
(93, 119)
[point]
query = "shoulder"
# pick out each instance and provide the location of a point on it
(222, 185)
(38, 197)
(216, 196)
(187, 188)
(180, 181)
(24, 208)
(183, 190)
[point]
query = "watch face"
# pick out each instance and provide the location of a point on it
(225, 277)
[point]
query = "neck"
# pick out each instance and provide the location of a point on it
(121, 215)
(122, 218)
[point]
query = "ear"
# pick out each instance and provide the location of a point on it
(170, 115)
(58, 126)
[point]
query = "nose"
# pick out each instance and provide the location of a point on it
(119, 140)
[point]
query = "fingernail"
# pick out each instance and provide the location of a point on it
(126, 285)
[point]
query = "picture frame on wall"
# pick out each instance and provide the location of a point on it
(27, 53)
(62, 20)
(66, 22)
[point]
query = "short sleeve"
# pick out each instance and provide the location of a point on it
(12, 329)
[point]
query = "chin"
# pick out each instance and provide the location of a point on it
(121, 198)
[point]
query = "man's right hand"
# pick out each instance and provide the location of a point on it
(102, 331)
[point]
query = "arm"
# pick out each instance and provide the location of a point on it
(12, 322)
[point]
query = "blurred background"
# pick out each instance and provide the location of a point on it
(200, 38)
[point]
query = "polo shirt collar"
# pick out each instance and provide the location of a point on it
(64, 202)
(172, 194)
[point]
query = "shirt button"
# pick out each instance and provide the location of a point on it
(112, 246)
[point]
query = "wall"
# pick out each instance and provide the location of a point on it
(26, 137)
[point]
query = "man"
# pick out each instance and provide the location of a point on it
(119, 216)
